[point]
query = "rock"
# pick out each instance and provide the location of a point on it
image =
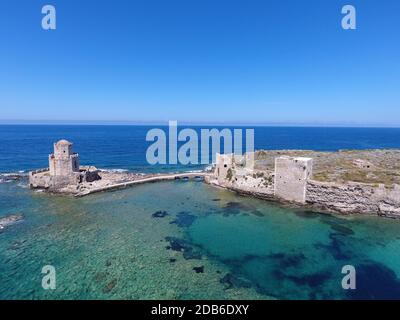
(10, 220)
(159, 214)
(181, 245)
(184, 219)
(12, 177)
(91, 176)
(190, 254)
(199, 269)
(176, 244)
(16, 245)
(231, 281)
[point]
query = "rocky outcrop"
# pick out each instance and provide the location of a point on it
(354, 198)
(292, 182)
(7, 177)
(10, 220)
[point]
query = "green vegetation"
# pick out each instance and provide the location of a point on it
(229, 174)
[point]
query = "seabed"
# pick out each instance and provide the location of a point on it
(189, 240)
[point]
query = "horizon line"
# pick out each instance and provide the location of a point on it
(198, 123)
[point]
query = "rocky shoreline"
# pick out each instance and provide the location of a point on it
(345, 182)
(8, 177)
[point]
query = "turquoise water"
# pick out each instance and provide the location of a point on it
(184, 240)
(188, 240)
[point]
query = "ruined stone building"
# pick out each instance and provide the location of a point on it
(291, 179)
(63, 171)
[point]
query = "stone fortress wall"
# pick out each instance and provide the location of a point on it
(287, 179)
(292, 181)
(291, 176)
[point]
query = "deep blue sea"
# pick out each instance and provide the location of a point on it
(184, 239)
(26, 147)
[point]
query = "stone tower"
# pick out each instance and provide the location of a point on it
(291, 176)
(224, 163)
(63, 162)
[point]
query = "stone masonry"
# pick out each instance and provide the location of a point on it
(291, 175)
(291, 181)
(63, 171)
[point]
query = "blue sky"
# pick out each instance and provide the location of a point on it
(273, 62)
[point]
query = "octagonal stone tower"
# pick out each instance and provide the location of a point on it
(63, 162)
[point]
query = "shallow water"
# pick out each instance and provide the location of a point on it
(187, 240)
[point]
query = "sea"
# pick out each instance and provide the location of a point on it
(184, 239)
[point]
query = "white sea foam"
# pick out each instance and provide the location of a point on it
(20, 173)
(118, 170)
(114, 170)
(194, 171)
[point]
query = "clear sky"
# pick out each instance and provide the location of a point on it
(267, 61)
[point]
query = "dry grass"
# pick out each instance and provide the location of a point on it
(366, 166)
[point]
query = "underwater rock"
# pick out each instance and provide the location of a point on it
(190, 254)
(313, 280)
(184, 219)
(10, 220)
(181, 245)
(307, 214)
(288, 260)
(231, 281)
(375, 281)
(176, 244)
(233, 207)
(336, 247)
(159, 214)
(16, 245)
(342, 229)
(199, 269)
(338, 227)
